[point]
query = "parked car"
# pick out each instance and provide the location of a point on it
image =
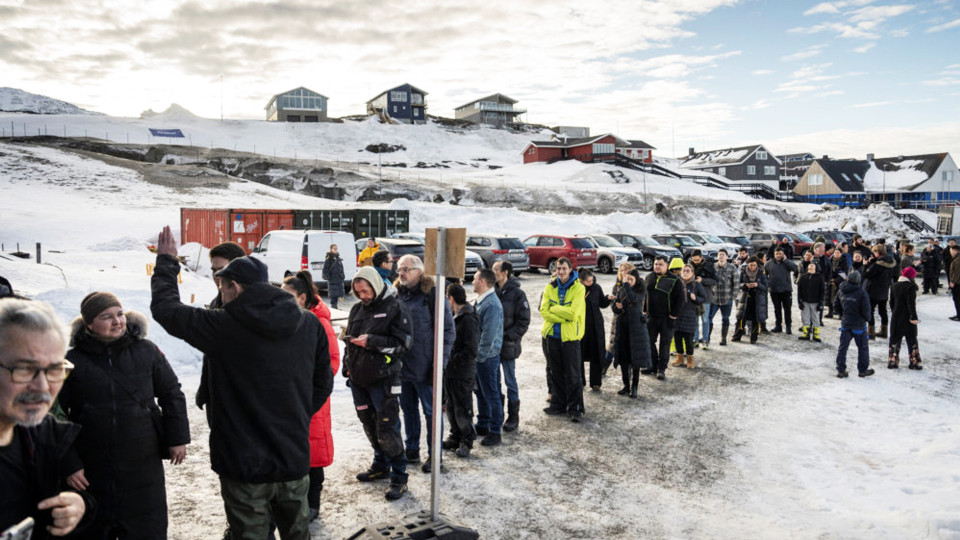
(686, 245)
(294, 250)
(472, 260)
(710, 242)
(544, 250)
(497, 247)
(763, 240)
(836, 237)
(648, 245)
(741, 241)
(610, 253)
(397, 247)
(801, 242)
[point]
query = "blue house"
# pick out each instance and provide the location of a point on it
(405, 103)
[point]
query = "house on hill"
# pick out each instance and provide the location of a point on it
(793, 168)
(921, 181)
(637, 150)
(598, 148)
(495, 110)
(742, 164)
(405, 103)
(297, 105)
(835, 181)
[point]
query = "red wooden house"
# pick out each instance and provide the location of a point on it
(598, 148)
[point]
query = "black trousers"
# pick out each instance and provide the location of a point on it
(316, 487)
(881, 306)
(596, 372)
(782, 301)
(661, 327)
(955, 291)
(565, 380)
(458, 397)
(913, 346)
(683, 342)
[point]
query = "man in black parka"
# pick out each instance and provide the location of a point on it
(269, 372)
(516, 321)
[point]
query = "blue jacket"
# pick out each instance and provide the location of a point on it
(856, 307)
(420, 301)
(490, 313)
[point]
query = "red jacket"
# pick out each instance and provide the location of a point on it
(321, 438)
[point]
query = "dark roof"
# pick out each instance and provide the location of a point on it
(852, 168)
(412, 88)
(274, 98)
(572, 141)
(802, 156)
(637, 144)
(929, 163)
(725, 156)
(505, 98)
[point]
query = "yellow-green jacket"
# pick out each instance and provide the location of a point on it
(569, 315)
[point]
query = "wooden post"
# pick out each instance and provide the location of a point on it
(38, 252)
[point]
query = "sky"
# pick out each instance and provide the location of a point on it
(842, 78)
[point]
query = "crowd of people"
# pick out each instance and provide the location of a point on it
(270, 355)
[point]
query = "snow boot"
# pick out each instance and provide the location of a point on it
(513, 416)
(754, 332)
(463, 450)
(804, 333)
(738, 332)
(689, 361)
(679, 361)
(397, 488)
(636, 382)
(763, 329)
(789, 331)
(915, 362)
(842, 374)
(777, 329)
(374, 473)
(883, 331)
(816, 334)
(451, 443)
(870, 332)
(866, 373)
(723, 333)
(893, 357)
(413, 456)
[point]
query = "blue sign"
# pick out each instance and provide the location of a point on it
(166, 132)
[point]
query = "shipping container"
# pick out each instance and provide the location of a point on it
(326, 220)
(380, 222)
(245, 226)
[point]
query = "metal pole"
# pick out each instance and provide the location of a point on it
(380, 169)
(38, 252)
(439, 312)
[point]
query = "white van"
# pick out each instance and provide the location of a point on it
(291, 251)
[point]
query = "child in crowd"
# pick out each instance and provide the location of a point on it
(810, 294)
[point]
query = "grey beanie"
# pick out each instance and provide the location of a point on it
(854, 277)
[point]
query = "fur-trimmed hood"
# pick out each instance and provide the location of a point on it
(137, 327)
(426, 283)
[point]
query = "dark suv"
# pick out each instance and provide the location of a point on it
(648, 245)
(544, 250)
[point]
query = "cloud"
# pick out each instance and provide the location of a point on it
(763, 72)
(861, 23)
(865, 47)
(809, 52)
(834, 7)
(891, 140)
(878, 13)
(757, 105)
(945, 26)
(871, 104)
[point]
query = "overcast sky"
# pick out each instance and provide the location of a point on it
(842, 78)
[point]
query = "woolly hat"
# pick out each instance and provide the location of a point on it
(854, 277)
(909, 272)
(245, 270)
(370, 275)
(676, 263)
(95, 303)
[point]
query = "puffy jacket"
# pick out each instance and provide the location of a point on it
(708, 277)
(878, 276)
(810, 288)
(632, 341)
(321, 435)
(516, 317)
(903, 305)
(333, 274)
(366, 256)
(420, 302)
(564, 309)
(759, 294)
(856, 307)
(269, 368)
(778, 275)
(490, 313)
(687, 321)
(463, 357)
(390, 335)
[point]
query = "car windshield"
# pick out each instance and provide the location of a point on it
(687, 241)
(510, 243)
(803, 237)
(648, 241)
(606, 241)
(409, 250)
(581, 243)
(712, 239)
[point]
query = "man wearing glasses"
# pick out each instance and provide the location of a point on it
(34, 447)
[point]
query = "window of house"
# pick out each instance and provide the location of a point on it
(416, 112)
(769, 170)
(815, 180)
(416, 99)
(603, 148)
(761, 155)
(946, 176)
(751, 170)
(722, 171)
(398, 96)
(394, 108)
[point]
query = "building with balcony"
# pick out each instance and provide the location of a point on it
(587, 149)
(495, 110)
(297, 105)
(405, 104)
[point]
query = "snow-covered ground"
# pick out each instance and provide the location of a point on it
(761, 441)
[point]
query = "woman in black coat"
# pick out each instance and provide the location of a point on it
(904, 319)
(333, 274)
(632, 342)
(111, 394)
(879, 273)
(592, 346)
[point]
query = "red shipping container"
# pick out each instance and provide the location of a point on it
(245, 226)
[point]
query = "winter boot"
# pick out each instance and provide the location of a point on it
(915, 362)
(513, 416)
(883, 331)
(788, 330)
(492, 439)
(893, 357)
(374, 473)
(763, 329)
(723, 333)
(451, 443)
(777, 328)
(816, 334)
(738, 332)
(754, 332)
(868, 372)
(635, 383)
(870, 332)
(689, 361)
(413, 456)
(804, 333)
(679, 361)
(397, 488)
(463, 450)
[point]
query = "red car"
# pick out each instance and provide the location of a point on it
(544, 250)
(801, 242)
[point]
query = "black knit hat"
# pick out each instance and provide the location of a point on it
(95, 303)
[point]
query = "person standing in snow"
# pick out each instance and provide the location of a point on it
(878, 274)
(632, 340)
(490, 313)
(695, 297)
(706, 276)
(664, 299)
(723, 293)
(334, 276)
(592, 345)
(840, 266)
(904, 319)
(611, 340)
(930, 260)
(418, 294)
(810, 297)
(461, 373)
(563, 308)
(113, 392)
(753, 290)
(853, 326)
(778, 273)
(366, 256)
(516, 322)
(383, 263)
(302, 288)
(258, 325)
(953, 279)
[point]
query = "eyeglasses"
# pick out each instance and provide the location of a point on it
(54, 374)
(404, 270)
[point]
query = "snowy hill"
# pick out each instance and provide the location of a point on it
(15, 100)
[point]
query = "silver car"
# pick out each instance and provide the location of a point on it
(610, 253)
(496, 247)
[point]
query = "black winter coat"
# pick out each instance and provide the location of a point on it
(687, 321)
(390, 332)
(930, 260)
(903, 305)
(49, 458)
(516, 317)
(592, 345)
(778, 275)
(664, 296)
(420, 302)
(755, 295)
(632, 338)
(333, 274)
(810, 289)
(878, 275)
(856, 306)
(707, 273)
(269, 372)
(463, 357)
(111, 394)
